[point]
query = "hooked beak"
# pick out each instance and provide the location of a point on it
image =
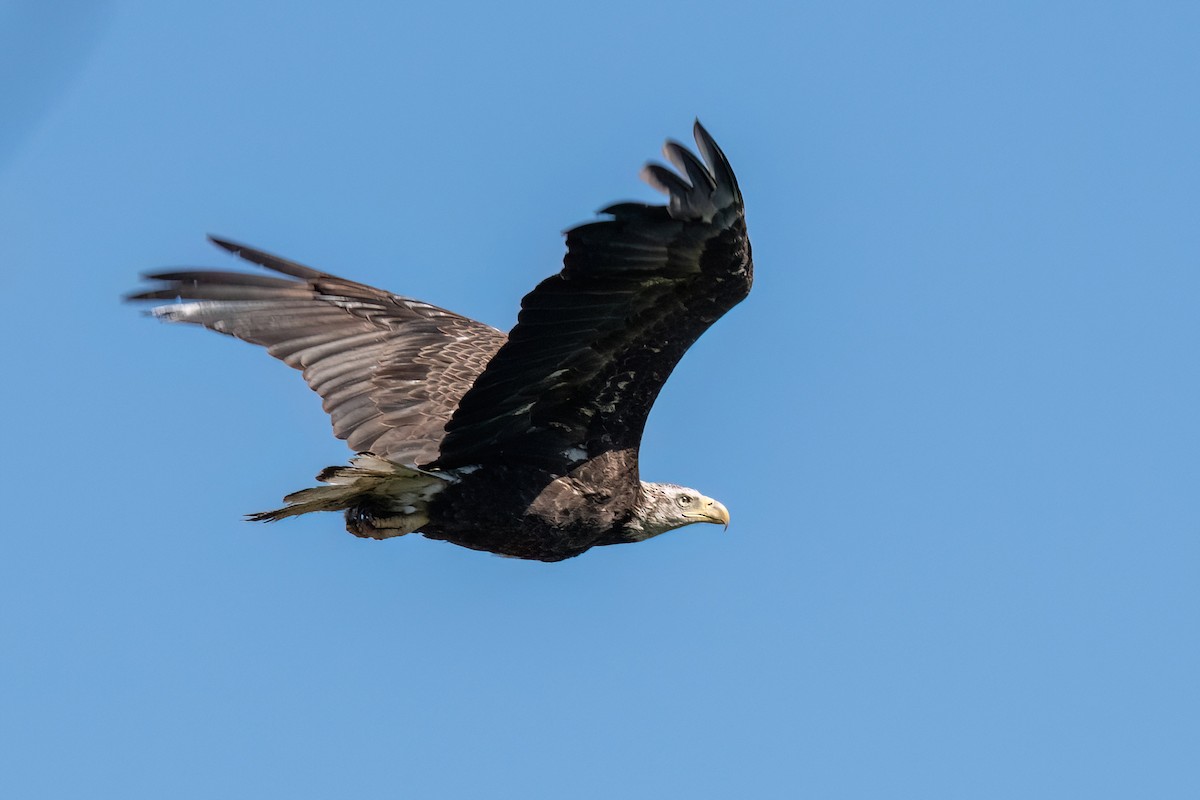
(713, 511)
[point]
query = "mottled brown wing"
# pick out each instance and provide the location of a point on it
(390, 370)
(594, 344)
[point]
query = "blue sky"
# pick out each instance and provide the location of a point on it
(955, 423)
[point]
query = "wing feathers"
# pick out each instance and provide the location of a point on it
(344, 336)
(666, 181)
(683, 160)
(727, 187)
(264, 259)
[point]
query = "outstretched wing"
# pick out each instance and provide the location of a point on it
(594, 344)
(390, 370)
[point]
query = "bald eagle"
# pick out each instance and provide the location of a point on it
(524, 445)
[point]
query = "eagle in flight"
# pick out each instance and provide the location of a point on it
(524, 445)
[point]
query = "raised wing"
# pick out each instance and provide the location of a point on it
(390, 370)
(594, 344)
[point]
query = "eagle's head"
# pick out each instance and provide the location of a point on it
(665, 507)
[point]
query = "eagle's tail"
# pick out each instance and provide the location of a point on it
(381, 499)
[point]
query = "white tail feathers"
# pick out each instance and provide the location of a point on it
(397, 496)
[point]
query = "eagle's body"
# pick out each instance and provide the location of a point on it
(533, 513)
(524, 445)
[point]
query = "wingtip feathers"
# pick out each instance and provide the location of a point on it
(709, 184)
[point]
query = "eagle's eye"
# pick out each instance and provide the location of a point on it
(684, 500)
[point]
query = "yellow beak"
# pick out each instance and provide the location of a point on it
(712, 511)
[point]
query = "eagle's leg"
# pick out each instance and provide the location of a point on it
(364, 524)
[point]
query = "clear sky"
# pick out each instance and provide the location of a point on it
(955, 424)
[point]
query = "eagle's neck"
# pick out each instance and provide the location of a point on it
(652, 515)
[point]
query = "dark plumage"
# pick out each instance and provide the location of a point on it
(525, 445)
